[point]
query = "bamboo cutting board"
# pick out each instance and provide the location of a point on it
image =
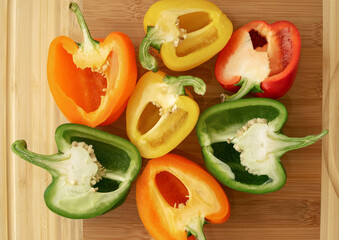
(28, 112)
(305, 208)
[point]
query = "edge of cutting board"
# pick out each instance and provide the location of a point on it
(23, 68)
(59, 23)
(330, 179)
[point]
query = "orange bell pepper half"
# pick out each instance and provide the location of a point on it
(91, 82)
(175, 197)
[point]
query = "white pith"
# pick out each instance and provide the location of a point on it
(167, 27)
(257, 146)
(166, 97)
(82, 170)
(89, 57)
(248, 63)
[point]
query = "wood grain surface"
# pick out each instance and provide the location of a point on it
(3, 131)
(294, 211)
(330, 163)
(28, 111)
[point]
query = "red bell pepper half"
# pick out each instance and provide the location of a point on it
(259, 57)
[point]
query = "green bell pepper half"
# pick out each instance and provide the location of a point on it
(91, 174)
(242, 143)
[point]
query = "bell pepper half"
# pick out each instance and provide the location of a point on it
(185, 33)
(176, 197)
(242, 143)
(261, 58)
(91, 174)
(91, 82)
(159, 115)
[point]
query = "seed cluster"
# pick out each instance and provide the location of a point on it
(183, 34)
(244, 128)
(165, 112)
(101, 170)
(182, 205)
(102, 69)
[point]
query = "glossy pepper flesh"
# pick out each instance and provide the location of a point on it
(242, 143)
(92, 172)
(261, 58)
(186, 33)
(176, 197)
(159, 115)
(92, 81)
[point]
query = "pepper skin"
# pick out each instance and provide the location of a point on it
(186, 33)
(261, 58)
(175, 197)
(92, 172)
(92, 82)
(242, 144)
(159, 116)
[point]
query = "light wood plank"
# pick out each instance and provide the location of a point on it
(291, 213)
(330, 165)
(3, 121)
(33, 116)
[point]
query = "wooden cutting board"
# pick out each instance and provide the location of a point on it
(305, 208)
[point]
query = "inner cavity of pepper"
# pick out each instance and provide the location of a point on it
(259, 42)
(172, 189)
(194, 21)
(226, 153)
(286, 46)
(190, 23)
(173, 119)
(148, 118)
(85, 86)
(167, 121)
(280, 52)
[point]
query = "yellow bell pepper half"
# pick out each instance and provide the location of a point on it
(187, 33)
(159, 114)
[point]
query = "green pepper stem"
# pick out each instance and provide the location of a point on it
(179, 83)
(150, 40)
(246, 87)
(46, 162)
(89, 43)
(195, 227)
(296, 143)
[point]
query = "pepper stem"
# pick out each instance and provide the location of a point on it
(195, 227)
(150, 40)
(46, 162)
(179, 83)
(296, 143)
(89, 43)
(246, 87)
